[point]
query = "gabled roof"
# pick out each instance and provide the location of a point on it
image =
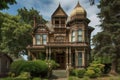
(42, 26)
(59, 12)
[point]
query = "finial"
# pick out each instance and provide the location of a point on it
(59, 4)
(78, 4)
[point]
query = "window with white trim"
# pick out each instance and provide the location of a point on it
(41, 39)
(37, 36)
(44, 39)
(73, 36)
(79, 35)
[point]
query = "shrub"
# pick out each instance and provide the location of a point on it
(94, 70)
(16, 66)
(36, 68)
(72, 72)
(90, 73)
(24, 75)
(80, 72)
(52, 64)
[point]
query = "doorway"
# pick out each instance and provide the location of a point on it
(60, 59)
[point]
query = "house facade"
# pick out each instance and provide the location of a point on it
(65, 39)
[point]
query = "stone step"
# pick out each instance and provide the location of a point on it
(59, 73)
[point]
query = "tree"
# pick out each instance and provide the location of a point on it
(4, 3)
(15, 35)
(108, 41)
(28, 15)
(16, 30)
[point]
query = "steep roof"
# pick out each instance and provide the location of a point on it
(59, 12)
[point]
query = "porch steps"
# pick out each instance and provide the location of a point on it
(59, 74)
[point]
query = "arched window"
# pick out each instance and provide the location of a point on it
(79, 35)
(73, 36)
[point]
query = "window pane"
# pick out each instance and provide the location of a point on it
(73, 33)
(44, 42)
(80, 32)
(37, 39)
(79, 38)
(73, 36)
(80, 59)
(37, 36)
(79, 35)
(44, 38)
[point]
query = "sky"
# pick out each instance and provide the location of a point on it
(47, 7)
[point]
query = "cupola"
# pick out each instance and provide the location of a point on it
(78, 12)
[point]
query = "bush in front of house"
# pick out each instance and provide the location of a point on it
(35, 68)
(80, 72)
(94, 70)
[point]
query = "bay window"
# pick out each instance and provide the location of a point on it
(73, 36)
(79, 35)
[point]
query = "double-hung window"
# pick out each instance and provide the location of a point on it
(37, 36)
(79, 35)
(44, 39)
(73, 36)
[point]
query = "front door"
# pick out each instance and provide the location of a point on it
(60, 59)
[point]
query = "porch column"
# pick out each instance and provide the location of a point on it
(67, 56)
(46, 53)
(28, 55)
(76, 58)
(49, 53)
(33, 57)
(70, 56)
(83, 58)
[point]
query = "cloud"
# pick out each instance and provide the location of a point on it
(47, 7)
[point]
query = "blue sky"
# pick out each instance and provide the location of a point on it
(47, 7)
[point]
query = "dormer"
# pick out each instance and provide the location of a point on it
(59, 17)
(40, 35)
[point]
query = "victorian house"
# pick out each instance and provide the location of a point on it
(65, 39)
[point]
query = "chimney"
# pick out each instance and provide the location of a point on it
(34, 19)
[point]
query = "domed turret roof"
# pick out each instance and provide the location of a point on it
(78, 10)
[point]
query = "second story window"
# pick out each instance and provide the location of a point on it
(73, 36)
(79, 35)
(38, 42)
(41, 39)
(44, 39)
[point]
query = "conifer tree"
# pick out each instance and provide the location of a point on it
(107, 42)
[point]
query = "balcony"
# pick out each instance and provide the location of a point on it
(65, 44)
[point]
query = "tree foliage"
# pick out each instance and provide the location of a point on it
(16, 30)
(15, 35)
(4, 3)
(28, 15)
(108, 40)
